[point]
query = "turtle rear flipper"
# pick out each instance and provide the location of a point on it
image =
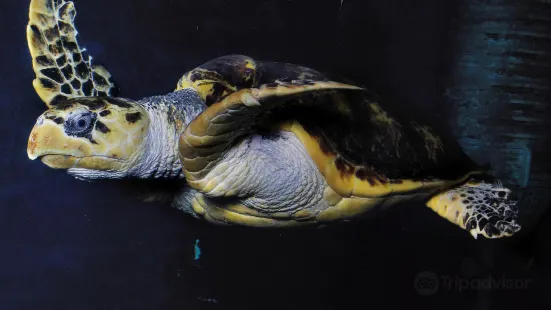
(63, 69)
(480, 207)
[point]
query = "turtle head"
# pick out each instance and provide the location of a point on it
(91, 137)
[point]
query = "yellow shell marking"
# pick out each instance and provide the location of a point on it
(346, 183)
(381, 118)
(433, 144)
(238, 214)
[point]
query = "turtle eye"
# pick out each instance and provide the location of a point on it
(79, 124)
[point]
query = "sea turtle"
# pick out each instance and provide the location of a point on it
(258, 143)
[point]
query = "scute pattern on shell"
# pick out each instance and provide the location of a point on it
(370, 139)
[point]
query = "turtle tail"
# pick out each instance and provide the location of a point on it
(63, 70)
(482, 206)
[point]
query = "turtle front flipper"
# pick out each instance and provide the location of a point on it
(209, 136)
(221, 76)
(224, 75)
(480, 207)
(63, 70)
(233, 167)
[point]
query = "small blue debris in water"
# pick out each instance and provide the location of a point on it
(197, 250)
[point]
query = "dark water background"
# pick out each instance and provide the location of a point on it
(66, 244)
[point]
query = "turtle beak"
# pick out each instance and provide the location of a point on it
(49, 142)
(43, 140)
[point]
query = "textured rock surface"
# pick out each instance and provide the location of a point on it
(500, 93)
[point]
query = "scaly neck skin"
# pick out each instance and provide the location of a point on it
(169, 115)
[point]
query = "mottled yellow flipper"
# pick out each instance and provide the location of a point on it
(61, 67)
(220, 77)
(480, 207)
